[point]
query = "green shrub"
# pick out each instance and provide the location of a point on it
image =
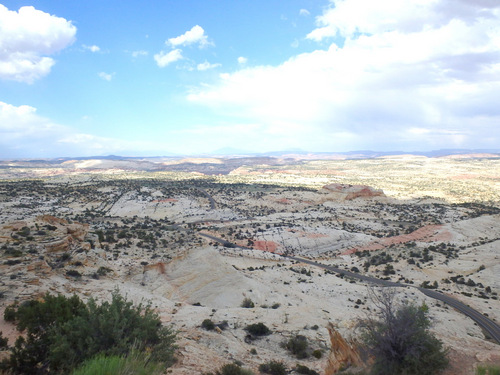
(208, 325)
(73, 273)
(273, 368)
(134, 363)
(25, 231)
(305, 370)
(488, 370)
(10, 252)
(61, 332)
(318, 353)
(400, 341)
(297, 345)
(12, 262)
(102, 271)
(4, 342)
(64, 257)
(9, 314)
(247, 303)
(258, 329)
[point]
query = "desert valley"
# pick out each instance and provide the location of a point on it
(211, 239)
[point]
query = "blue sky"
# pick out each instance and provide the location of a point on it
(191, 77)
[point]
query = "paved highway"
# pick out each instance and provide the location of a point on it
(213, 204)
(492, 328)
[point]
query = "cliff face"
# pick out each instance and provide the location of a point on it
(343, 354)
(350, 192)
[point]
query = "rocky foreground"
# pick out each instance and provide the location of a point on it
(143, 236)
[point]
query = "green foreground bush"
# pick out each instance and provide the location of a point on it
(60, 333)
(135, 363)
(488, 370)
(400, 341)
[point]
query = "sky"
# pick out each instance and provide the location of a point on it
(152, 78)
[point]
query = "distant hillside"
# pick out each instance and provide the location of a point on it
(224, 164)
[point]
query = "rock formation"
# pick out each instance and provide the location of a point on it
(342, 354)
(350, 192)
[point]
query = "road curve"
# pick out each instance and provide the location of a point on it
(211, 200)
(484, 322)
(492, 328)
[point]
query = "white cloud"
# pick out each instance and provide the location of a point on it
(165, 58)
(92, 48)
(139, 53)
(206, 65)
(304, 12)
(348, 17)
(242, 60)
(106, 76)
(92, 144)
(27, 35)
(194, 36)
(399, 65)
(24, 133)
(16, 121)
(22, 130)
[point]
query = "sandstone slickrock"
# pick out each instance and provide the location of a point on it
(157, 255)
(350, 192)
(343, 354)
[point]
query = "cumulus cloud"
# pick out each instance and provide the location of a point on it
(106, 76)
(22, 129)
(22, 120)
(25, 37)
(398, 65)
(165, 58)
(194, 36)
(25, 133)
(304, 12)
(242, 60)
(206, 65)
(92, 48)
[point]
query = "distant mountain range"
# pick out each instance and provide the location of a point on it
(360, 154)
(219, 164)
(230, 153)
